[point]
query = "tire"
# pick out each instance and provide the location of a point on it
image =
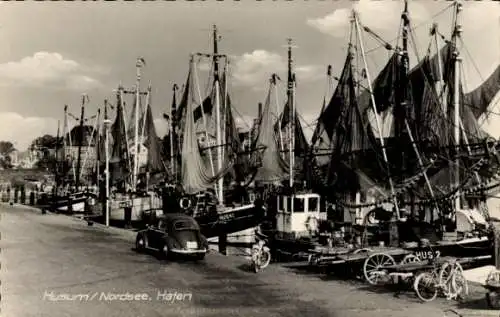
(425, 287)
(255, 267)
(140, 243)
(164, 252)
(265, 259)
(200, 257)
(493, 300)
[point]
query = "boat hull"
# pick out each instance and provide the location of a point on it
(230, 220)
(74, 203)
(139, 206)
(481, 249)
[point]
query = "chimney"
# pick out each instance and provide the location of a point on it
(260, 110)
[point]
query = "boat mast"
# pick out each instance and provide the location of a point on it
(172, 128)
(377, 119)
(139, 64)
(218, 132)
(456, 98)
(97, 143)
(291, 108)
(66, 131)
(80, 142)
(107, 123)
(57, 165)
(404, 96)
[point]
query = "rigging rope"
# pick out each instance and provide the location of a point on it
(89, 145)
(481, 188)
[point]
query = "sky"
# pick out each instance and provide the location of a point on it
(54, 52)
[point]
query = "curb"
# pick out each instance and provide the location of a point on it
(27, 207)
(127, 232)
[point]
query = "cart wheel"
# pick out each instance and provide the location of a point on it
(373, 267)
(493, 300)
(409, 258)
(362, 250)
(425, 286)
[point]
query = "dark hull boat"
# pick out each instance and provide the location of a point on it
(231, 220)
(205, 138)
(73, 203)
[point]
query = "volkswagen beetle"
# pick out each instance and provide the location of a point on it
(173, 234)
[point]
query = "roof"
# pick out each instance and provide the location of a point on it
(176, 216)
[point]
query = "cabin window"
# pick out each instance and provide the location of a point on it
(288, 203)
(313, 204)
(298, 205)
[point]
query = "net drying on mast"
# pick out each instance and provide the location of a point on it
(395, 138)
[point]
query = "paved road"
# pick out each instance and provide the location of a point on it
(54, 265)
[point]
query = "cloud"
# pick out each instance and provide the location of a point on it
(23, 130)
(378, 15)
(47, 69)
(255, 68)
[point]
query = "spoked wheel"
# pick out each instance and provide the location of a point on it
(256, 266)
(265, 259)
(493, 300)
(425, 287)
(373, 268)
(362, 250)
(452, 280)
(459, 283)
(140, 243)
(409, 258)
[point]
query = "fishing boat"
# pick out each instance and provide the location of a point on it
(70, 195)
(409, 166)
(294, 210)
(210, 154)
(133, 160)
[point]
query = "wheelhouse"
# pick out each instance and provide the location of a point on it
(299, 214)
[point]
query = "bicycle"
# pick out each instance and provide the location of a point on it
(261, 255)
(447, 279)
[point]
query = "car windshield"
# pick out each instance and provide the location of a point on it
(184, 225)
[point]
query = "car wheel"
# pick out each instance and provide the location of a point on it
(140, 243)
(164, 252)
(200, 257)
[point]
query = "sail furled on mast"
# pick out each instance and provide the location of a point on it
(343, 121)
(383, 87)
(132, 120)
(480, 98)
(119, 152)
(272, 168)
(300, 144)
(195, 172)
(152, 143)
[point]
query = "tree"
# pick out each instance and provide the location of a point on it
(6, 147)
(46, 142)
